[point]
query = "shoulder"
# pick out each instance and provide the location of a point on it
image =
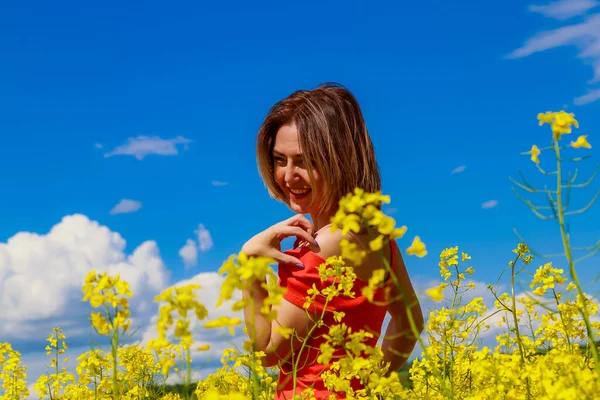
(330, 242)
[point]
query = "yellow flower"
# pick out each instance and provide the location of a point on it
(570, 286)
(285, 331)
(100, 323)
(581, 142)
(417, 248)
(398, 232)
(338, 315)
(377, 243)
(545, 118)
(563, 121)
(224, 322)
(535, 152)
(560, 122)
(351, 252)
(436, 293)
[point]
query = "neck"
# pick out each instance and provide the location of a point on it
(320, 220)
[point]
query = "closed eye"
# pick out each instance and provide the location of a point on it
(280, 160)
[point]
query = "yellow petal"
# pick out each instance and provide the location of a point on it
(535, 152)
(545, 118)
(417, 248)
(436, 293)
(581, 142)
(398, 232)
(284, 331)
(377, 243)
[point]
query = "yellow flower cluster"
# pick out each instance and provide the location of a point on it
(102, 290)
(545, 278)
(561, 123)
(180, 300)
(13, 374)
(552, 365)
(231, 384)
(361, 211)
(52, 384)
(241, 273)
(341, 278)
(545, 339)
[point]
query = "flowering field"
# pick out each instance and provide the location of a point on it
(549, 350)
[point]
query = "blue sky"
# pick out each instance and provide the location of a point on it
(442, 85)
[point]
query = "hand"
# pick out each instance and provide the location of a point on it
(268, 242)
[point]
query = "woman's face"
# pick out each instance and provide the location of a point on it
(292, 175)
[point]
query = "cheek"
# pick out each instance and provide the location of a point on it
(279, 174)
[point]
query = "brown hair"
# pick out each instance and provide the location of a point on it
(333, 138)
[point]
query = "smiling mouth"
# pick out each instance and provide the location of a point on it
(299, 193)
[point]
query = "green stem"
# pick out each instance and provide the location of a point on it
(188, 372)
(515, 319)
(453, 338)
(56, 361)
(253, 340)
(304, 343)
(562, 320)
(567, 248)
(514, 309)
(114, 344)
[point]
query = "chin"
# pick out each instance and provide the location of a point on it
(300, 209)
(296, 208)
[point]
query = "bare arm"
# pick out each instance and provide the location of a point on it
(400, 340)
(264, 334)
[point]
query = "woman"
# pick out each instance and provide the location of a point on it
(312, 149)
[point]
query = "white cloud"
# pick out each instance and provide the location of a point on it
(584, 35)
(589, 97)
(205, 242)
(459, 169)
(564, 9)
(142, 146)
(126, 206)
(489, 204)
(197, 374)
(189, 254)
(219, 183)
(99, 145)
(41, 276)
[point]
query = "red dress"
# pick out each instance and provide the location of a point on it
(359, 314)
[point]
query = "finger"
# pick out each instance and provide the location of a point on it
(284, 258)
(286, 231)
(291, 261)
(302, 221)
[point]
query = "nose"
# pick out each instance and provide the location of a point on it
(290, 172)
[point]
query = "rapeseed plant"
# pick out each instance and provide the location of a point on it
(546, 347)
